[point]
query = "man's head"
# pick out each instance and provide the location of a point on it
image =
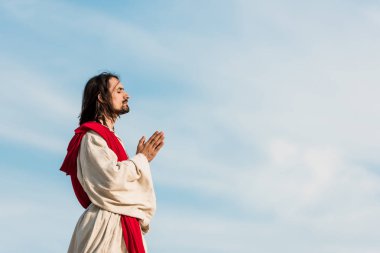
(103, 97)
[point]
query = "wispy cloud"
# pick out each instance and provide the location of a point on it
(37, 204)
(309, 115)
(33, 106)
(280, 121)
(99, 27)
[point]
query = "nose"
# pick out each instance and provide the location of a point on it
(126, 96)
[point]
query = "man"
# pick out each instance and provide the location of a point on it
(117, 191)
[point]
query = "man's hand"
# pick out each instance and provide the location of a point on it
(152, 146)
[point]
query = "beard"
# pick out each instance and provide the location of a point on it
(124, 109)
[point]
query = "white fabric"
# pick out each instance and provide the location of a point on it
(114, 188)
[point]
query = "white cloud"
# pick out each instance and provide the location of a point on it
(294, 98)
(33, 106)
(37, 210)
(319, 189)
(35, 139)
(75, 20)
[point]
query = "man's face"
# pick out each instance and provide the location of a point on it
(119, 98)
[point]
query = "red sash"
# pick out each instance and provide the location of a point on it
(130, 225)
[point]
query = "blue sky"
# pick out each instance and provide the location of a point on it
(270, 110)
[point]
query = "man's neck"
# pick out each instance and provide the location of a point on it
(109, 123)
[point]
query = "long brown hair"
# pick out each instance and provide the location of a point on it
(94, 109)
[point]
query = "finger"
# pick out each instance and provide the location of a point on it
(159, 146)
(157, 141)
(152, 137)
(153, 146)
(158, 137)
(161, 136)
(142, 140)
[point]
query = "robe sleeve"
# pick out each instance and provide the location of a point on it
(124, 187)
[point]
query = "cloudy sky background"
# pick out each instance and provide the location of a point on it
(270, 109)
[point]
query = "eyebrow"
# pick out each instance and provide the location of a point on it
(118, 82)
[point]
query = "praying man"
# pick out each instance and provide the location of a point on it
(116, 190)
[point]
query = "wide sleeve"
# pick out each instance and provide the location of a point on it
(124, 187)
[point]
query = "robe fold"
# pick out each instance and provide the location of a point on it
(114, 188)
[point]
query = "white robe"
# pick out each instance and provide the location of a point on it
(114, 188)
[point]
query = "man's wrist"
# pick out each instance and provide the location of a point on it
(145, 156)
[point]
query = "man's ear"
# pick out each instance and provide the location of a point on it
(100, 98)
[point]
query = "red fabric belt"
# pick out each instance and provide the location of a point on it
(130, 225)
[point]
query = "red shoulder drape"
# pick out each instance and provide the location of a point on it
(130, 225)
